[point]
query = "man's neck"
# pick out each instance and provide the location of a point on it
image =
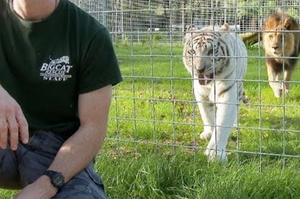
(34, 10)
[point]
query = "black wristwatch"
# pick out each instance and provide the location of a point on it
(57, 178)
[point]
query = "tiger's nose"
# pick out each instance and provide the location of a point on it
(201, 70)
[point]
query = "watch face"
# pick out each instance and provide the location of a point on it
(58, 180)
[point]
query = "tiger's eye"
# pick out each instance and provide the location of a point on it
(192, 51)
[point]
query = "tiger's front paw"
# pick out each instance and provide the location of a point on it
(205, 135)
(216, 155)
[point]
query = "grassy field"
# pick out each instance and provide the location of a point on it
(153, 148)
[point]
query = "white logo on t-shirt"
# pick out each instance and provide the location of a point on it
(57, 70)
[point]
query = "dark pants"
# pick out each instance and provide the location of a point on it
(23, 166)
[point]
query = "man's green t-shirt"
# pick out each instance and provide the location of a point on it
(46, 65)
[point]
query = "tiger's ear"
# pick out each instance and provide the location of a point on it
(225, 27)
(189, 31)
(190, 28)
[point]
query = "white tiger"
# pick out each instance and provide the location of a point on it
(217, 61)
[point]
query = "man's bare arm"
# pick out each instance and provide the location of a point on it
(80, 149)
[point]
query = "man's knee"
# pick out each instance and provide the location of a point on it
(86, 185)
(9, 177)
(79, 191)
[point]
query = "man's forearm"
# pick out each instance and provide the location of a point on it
(78, 151)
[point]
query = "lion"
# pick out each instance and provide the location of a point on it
(281, 42)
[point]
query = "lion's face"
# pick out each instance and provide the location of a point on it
(281, 34)
(278, 43)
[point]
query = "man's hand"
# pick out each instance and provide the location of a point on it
(40, 189)
(13, 124)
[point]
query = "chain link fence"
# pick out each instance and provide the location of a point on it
(138, 26)
(134, 19)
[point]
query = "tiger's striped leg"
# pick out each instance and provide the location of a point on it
(207, 111)
(225, 118)
(207, 115)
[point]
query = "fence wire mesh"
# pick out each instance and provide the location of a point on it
(155, 107)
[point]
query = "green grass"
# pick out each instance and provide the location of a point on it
(153, 148)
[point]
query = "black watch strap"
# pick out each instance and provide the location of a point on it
(57, 179)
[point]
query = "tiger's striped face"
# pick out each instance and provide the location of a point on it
(205, 53)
